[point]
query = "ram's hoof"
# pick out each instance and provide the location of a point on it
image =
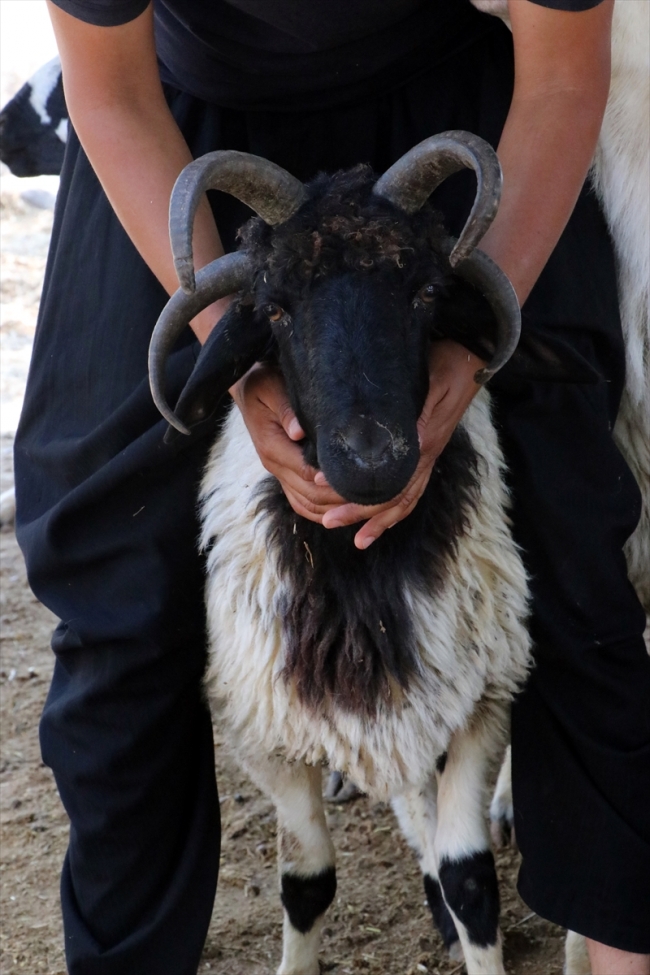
(455, 951)
(340, 788)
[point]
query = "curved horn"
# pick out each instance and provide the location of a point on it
(412, 179)
(272, 192)
(222, 277)
(482, 273)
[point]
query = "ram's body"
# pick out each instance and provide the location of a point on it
(472, 645)
(471, 652)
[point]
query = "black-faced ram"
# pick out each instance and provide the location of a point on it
(395, 664)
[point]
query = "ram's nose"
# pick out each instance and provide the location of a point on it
(368, 442)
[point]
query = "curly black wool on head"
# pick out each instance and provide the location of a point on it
(341, 227)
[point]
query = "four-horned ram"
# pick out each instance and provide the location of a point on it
(395, 664)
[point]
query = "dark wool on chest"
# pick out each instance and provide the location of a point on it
(348, 634)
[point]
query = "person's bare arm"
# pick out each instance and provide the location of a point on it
(562, 75)
(116, 104)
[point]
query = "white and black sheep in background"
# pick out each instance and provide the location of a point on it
(395, 664)
(34, 125)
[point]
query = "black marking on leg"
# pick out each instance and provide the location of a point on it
(441, 916)
(441, 763)
(472, 893)
(306, 898)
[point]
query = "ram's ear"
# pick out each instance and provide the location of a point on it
(463, 314)
(237, 341)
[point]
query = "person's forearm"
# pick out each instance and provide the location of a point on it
(562, 69)
(538, 194)
(132, 140)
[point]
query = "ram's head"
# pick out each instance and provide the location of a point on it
(344, 281)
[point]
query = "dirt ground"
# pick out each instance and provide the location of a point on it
(378, 925)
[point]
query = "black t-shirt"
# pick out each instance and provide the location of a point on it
(298, 54)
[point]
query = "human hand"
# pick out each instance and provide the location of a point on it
(274, 429)
(451, 389)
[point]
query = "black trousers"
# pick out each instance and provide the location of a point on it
(107, 522)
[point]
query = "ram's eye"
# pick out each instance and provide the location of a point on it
(274, 312)
(427, 294)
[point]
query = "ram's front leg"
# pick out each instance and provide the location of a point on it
(416, 811)
(466, 868)
(305, 859)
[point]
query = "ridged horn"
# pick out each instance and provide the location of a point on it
(482, 273)
(412, 179)
(222, 277)
(272, 192)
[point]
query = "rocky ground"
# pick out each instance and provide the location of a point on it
(378, 925)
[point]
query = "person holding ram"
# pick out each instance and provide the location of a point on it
(106, 509)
